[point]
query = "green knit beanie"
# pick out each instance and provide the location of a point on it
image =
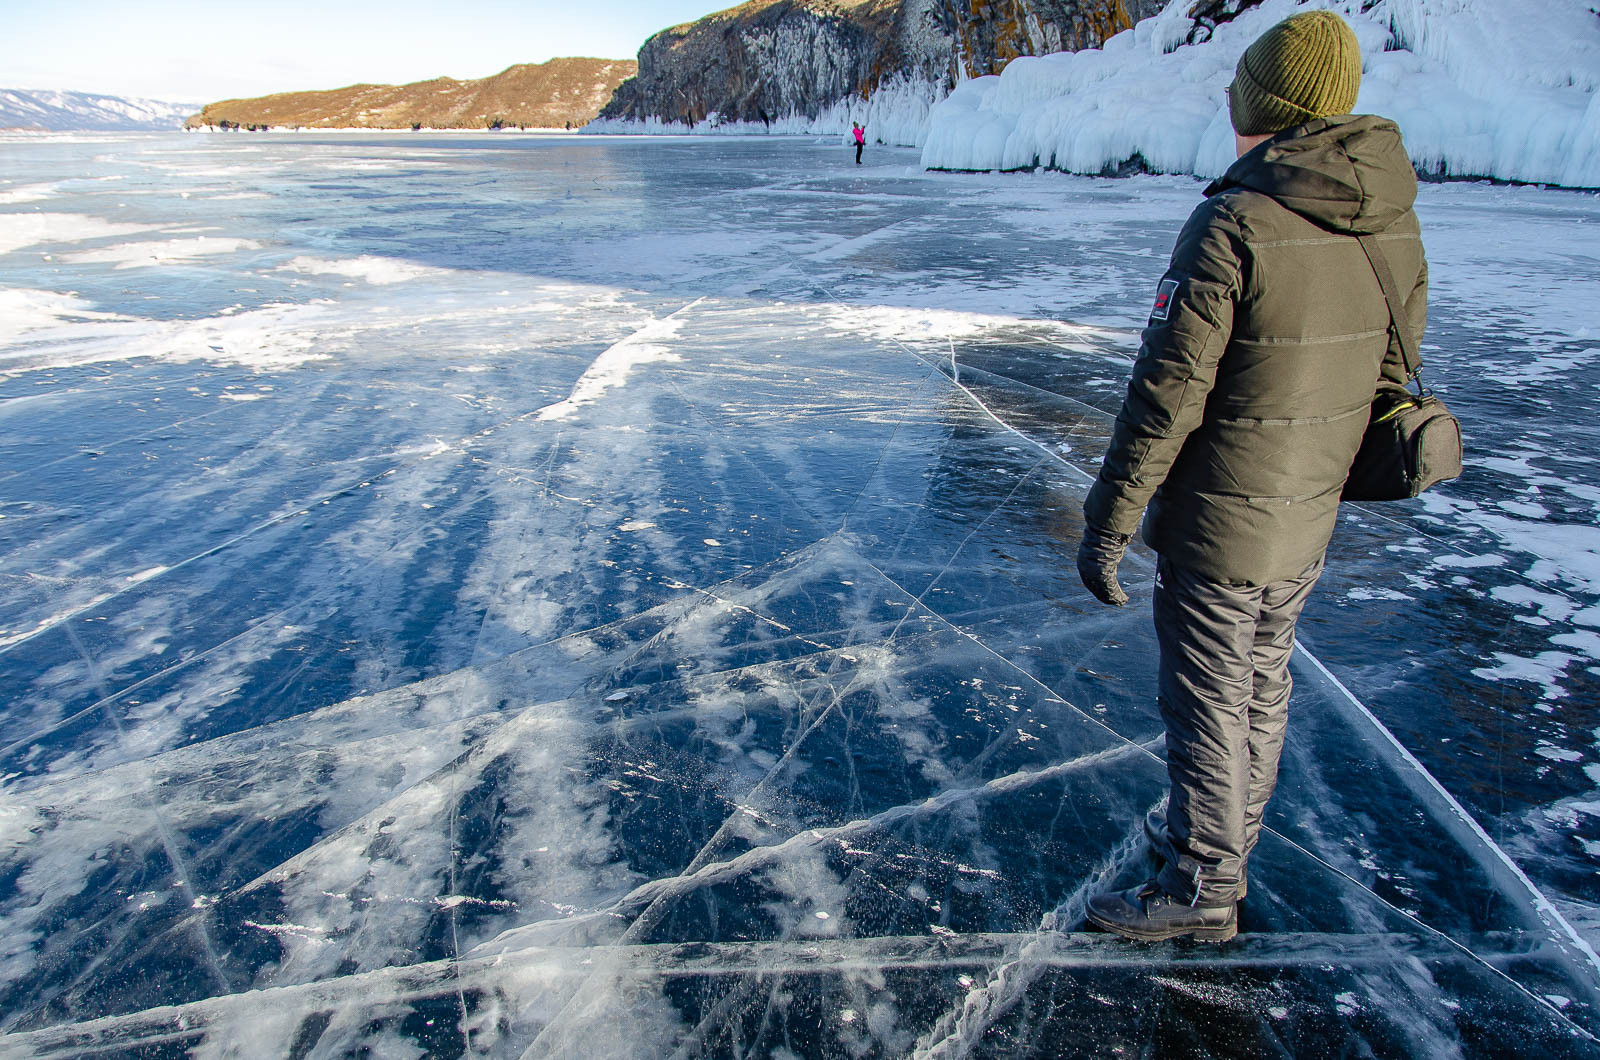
(1307, 66)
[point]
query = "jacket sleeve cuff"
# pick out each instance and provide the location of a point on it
(1102, 510)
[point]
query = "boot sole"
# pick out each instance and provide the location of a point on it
(1221, 933)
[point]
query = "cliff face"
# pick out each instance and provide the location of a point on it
(993, 32)
(548, 95)
(773, 59)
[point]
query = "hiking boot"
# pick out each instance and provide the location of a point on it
(1148, 914)
(1155, 827)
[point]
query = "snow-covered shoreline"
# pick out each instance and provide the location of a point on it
(1504, 91)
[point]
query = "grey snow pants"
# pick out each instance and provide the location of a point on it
(1224, 694)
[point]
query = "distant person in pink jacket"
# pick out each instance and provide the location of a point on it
(860, 133)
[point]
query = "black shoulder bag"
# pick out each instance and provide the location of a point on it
(1412, 441)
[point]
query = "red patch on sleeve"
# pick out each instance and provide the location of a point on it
(1164, 295)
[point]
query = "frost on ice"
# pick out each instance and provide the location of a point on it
(641, 619)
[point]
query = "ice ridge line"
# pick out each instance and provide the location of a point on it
(959, 1029)
(195, 1021)
(1543, 904)
(756, 857)
(701, 873)
(652, 914)
(1150, 749)
(180, 867)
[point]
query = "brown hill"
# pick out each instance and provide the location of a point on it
(548, 95)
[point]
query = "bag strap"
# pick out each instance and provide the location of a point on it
(1397, 317)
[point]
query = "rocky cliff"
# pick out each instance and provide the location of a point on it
(561, 93)
(770, 61)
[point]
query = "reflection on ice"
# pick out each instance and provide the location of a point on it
(591, 637)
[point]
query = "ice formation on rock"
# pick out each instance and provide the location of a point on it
(1503, 90)
(796, 66)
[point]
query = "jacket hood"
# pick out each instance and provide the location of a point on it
(1348, 174)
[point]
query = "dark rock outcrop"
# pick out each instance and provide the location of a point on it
(772, 59)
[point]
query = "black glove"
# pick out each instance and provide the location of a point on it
(1098, 556)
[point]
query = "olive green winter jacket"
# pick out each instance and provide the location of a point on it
(1257, 369)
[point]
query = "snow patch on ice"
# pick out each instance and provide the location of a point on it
(1552, 367)
(909, 324)
(42, 329)
(1551, 606)
(1544, 670)
(1490, 560)
(18, 230)
(162, 252)
(64, 332)
(1557, 754)
(1525, 509)
(613, 367)
(374, 270)
(1377, 594)
(23, 311)
(1584, 640)
(18, 822)
(1565, 552)
(27, 193)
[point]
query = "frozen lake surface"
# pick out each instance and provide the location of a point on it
(558, 596)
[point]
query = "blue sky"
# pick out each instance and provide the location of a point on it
(188, 51)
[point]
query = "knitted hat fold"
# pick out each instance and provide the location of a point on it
(1307, 66)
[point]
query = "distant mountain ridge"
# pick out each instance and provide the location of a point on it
(51, 111)
(561, 93)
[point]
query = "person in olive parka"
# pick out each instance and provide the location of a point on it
(1268, 338)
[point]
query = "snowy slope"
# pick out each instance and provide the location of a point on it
(1480, 88)
(84, 112)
